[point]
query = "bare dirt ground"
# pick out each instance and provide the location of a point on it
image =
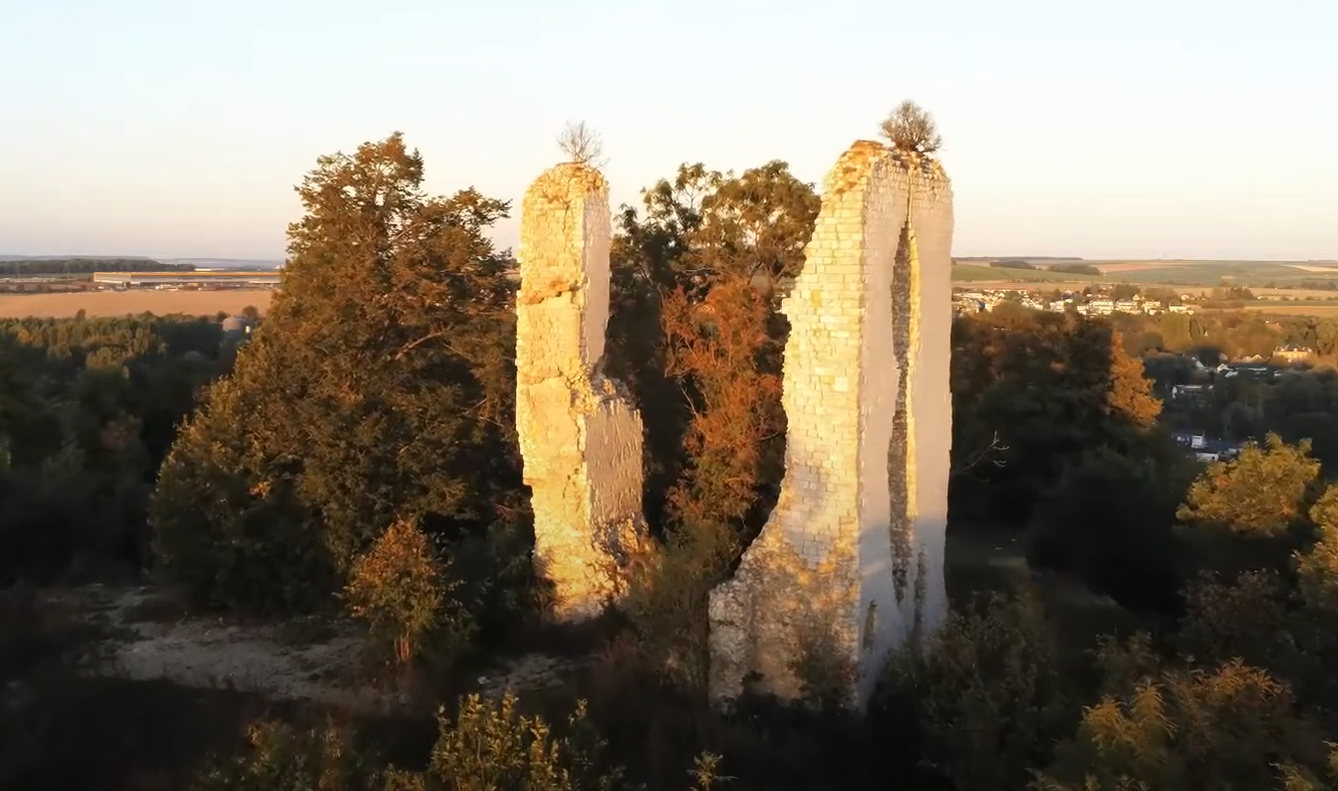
(120, 303)
(149, 637)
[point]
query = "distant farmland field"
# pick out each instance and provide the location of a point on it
(969, 273)
(1295, 308)
(120, 303)
(1167, 272)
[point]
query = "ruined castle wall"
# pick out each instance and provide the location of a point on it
(932, 222)
(830, 585)
(579, 437)
(881, 495)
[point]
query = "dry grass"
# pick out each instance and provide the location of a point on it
(120, 303)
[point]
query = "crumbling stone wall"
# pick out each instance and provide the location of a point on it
(579, 436)
(850, 563)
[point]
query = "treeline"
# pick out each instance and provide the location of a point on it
(1219, 336)
(1075, 269)
(84, 266)
(1068, 269)
(362, 458)
(88, 410)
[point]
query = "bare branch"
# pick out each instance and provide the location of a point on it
(582, 144)
(985, 455)
(910, 128)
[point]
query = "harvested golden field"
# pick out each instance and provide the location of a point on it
(1294, 293)
(119, 303)
(1134, 266)
(1296, 308)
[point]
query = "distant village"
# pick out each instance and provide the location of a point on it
(1100, 301)
(1086, 304)
(1210, 449)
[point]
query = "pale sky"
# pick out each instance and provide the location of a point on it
(1138, 128)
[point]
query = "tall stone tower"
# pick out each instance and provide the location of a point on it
(850, 564)
(579, 437)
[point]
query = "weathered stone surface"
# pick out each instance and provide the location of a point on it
(579, 437)
(850, 563)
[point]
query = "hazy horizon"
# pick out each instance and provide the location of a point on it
(1137, 130)
(200, 259)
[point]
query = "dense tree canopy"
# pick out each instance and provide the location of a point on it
(88, 409)
(697, 279)
(1032, 392)
(379, 388)
(82, 266)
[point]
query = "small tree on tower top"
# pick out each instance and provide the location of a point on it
(911, 128)
(582, 144)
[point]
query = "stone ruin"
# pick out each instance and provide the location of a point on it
(579, 436)
(850, 564)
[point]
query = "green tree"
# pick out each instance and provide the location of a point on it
(987, 694)
(707, 257)
(1260, 492)
(1109, 519)
(381, 383)
(1197, 729)
(1031, 393)
(402, 590)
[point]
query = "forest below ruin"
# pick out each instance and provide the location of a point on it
(355, 458)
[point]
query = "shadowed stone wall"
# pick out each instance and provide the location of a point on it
(850, 563)
(579, 436)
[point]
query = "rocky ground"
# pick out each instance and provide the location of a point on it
(146, 636)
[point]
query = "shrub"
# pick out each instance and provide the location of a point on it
(1251, 619)
(487, 746)
(668, 597)
(401, 589)
(987, 694)
(1109, 520)
(490, 745)
(1299, 778)
(281, 757)
(1317, 568)
(1187, 730)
